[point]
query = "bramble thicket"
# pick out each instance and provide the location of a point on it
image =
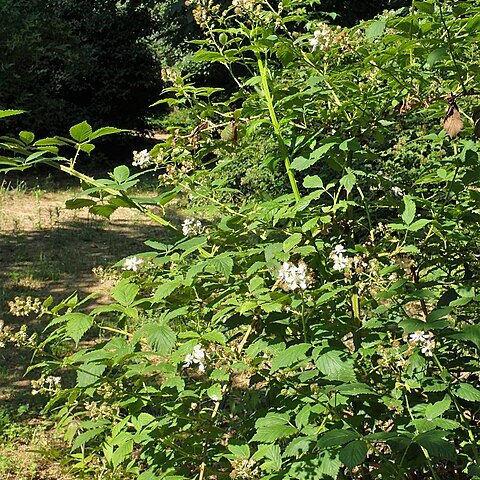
(317, 317)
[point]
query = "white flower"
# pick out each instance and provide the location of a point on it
(215, 398)
(322, 38)
(133, 263)
(293, 277)
(192, 226)
(397, 191)
(197, 357)
(141, 159)
(419, 337)
(340, 261)
(427, 349)
(425, 340)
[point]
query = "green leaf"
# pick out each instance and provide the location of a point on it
(336, 437)
(125, 292)
(122, 453)
(81, 131)
(84, 437)
(324, 465)
(437, 55)
(299, 446)
(9, 113)
(354, 453)
(409, 210)
(222, 264)
(312, 181)
(348, 181)
(121, 173)
(438, 408)
(273, 459)
(272, 427)
(215, 392)
(425, 7)
(436, 445)
(101, 132)
(302, 163)
(467, 392)
(76, 203)
(27, 137)
(160, 337)
(165, 289)
(290, 356)
(417, 225)
(239, 451)
(206, 56)
(89, 373)
(336, 366)
(375, 29)
(192, 244)
(469, 333)
(292, 241)
(77, 325)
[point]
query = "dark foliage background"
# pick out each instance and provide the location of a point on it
(65, 61)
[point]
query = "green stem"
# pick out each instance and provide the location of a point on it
(450, 49)
(276, 127)
(111, 191)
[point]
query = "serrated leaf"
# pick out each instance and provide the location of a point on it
(436, 445)
(292, 241)
(354, 453)
(101, 132)
(9, 113)
(215, 392)
(437, 55)
(348, 181)
(438, 408)
(418, 225)
(467, 392)
(239, 451)
(121, 173)
(222, 264)
(122, 453)
(125, 292)
(289, 356)
(409, 210)
(298, 446)
(336, 366)
(375, 29)
(336, 437)
(76, 203)
(84, 437)
(27, 137)
(81, 131)
(89, 373)
(215, 337)
(324, 465)
(165, 289)
(273, 459)
(77, 325)
(469, 333)
(312, 181)
(272, 427)
(160, 337)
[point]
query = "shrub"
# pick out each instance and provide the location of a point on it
(326, 333)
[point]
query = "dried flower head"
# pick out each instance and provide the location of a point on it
(452, 123)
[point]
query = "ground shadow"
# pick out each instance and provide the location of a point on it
(58, 261)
